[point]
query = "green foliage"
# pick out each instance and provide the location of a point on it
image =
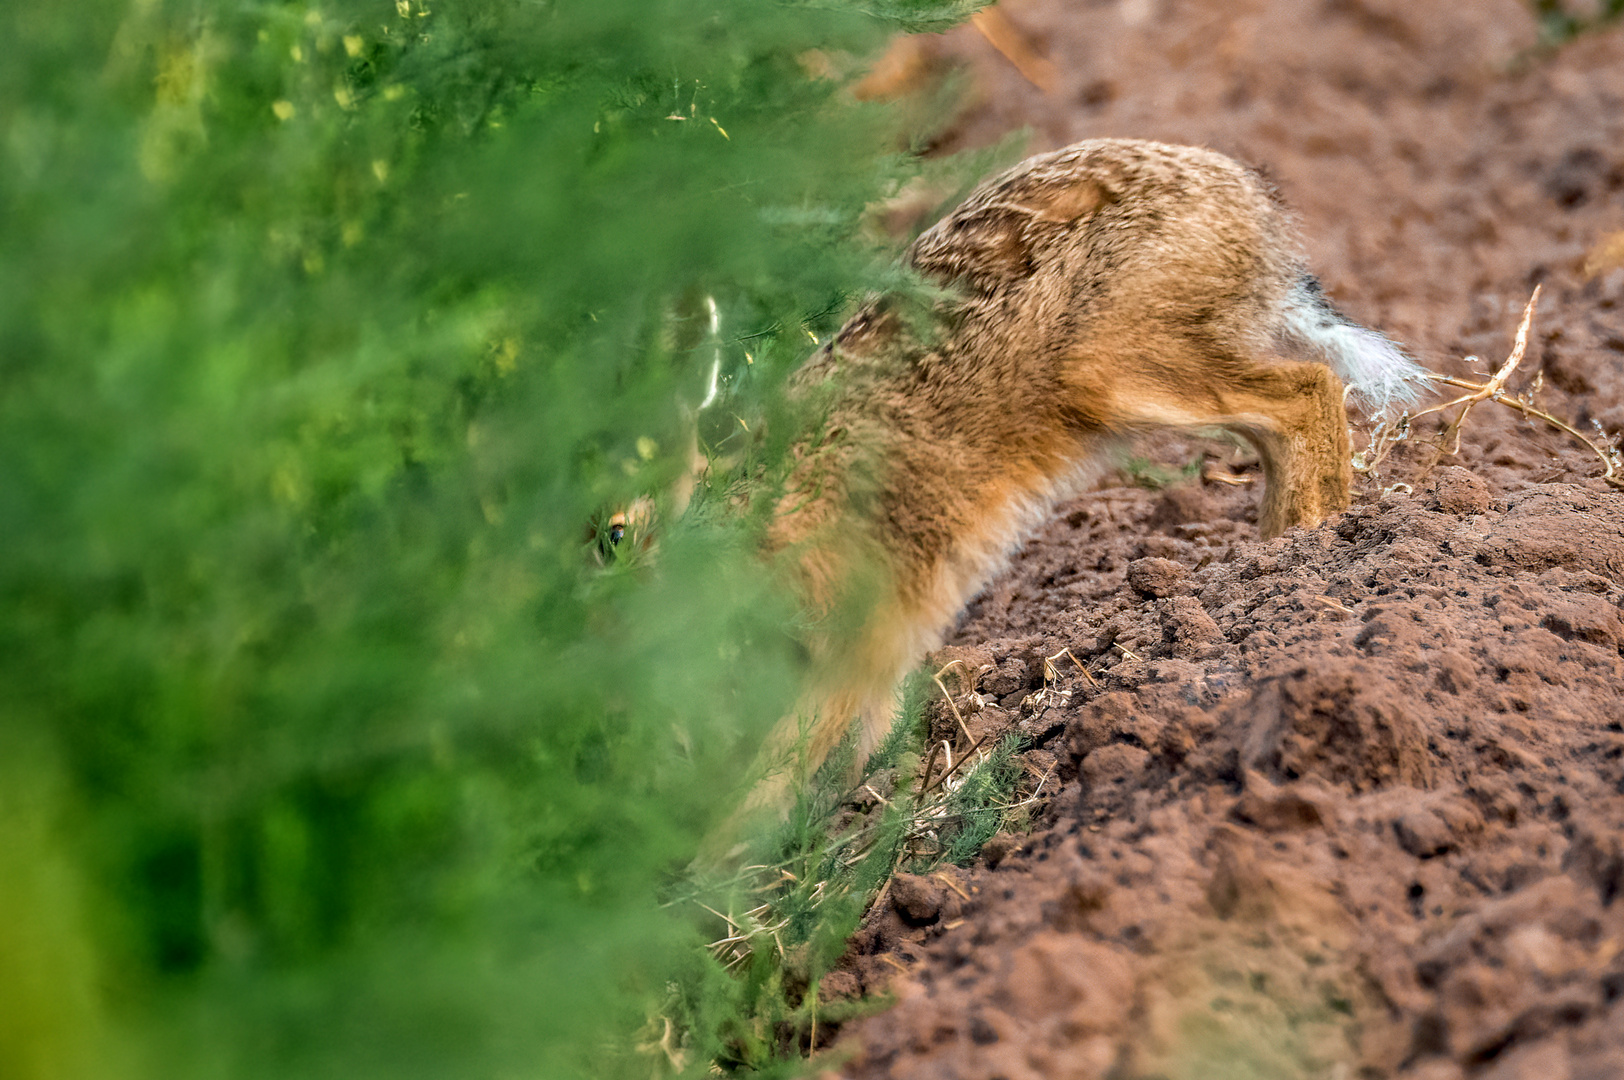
(1145, 473)
(1559, 25)
(324, 331)
(751, 1003)
(908, 733)
(782, 924)
(981, 806)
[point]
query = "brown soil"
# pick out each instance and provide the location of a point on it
(1349, 803)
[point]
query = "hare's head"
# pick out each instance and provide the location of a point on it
(627, 530)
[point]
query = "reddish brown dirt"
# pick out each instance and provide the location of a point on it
(1349, 803)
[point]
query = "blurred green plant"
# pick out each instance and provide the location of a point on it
(1560, 22)
(1154, 475)
(326, 748)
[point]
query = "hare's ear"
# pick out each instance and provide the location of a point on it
(995, 239)
(1065, 204)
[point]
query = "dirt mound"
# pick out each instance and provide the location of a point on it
(1352, 796)
(1349, 803)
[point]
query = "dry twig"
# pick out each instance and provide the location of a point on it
(1003, 35)
(941, 781)
(1389, 434)
(943, 687)
(1051, 675)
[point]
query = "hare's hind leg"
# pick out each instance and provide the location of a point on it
(1291, 411)
(1303, 441)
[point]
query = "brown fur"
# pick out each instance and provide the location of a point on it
(1102, 290)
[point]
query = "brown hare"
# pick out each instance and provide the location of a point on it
(1099, 291)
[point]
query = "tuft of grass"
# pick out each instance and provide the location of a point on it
(748, 1000)
(1145, 473)
(907, 735)
(980, 806)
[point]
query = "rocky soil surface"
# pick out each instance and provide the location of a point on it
(1349, 803)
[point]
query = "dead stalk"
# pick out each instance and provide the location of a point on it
(951, 884)
(1389, 434)
(943, 687)
(930, 763)
(1334, 604)
(1489, 391)
(1052, 675)
(966, 756)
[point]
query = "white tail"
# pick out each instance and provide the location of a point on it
(1378, 375)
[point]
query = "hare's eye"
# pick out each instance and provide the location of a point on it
(616, 531)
